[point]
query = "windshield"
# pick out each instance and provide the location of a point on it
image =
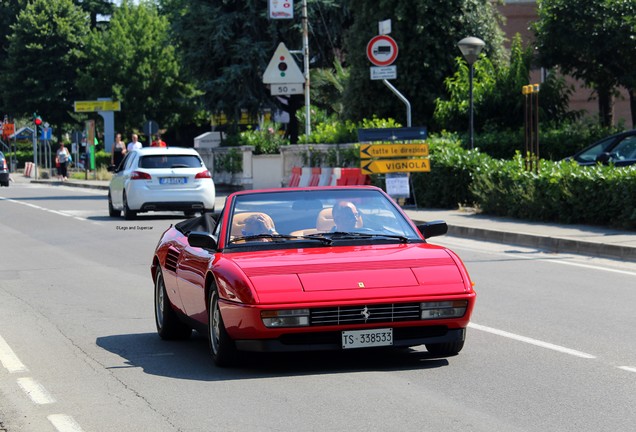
(320, 216)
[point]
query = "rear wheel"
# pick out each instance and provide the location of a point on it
(128, 213)
(222, 346)
(111, 210)
(166, 320)
(447, 349)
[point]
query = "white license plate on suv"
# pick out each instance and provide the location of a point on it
(367, 338)
(173, 180)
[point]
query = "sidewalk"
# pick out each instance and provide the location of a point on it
(578, 239)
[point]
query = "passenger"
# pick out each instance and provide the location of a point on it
(258, 224)
(346, 217)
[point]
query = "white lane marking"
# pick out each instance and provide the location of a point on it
(9, 360)
(64, 423)
(591, 267)
(65, 214)
(35, 391)
(531, 341)
(459, 245)
(628, 368)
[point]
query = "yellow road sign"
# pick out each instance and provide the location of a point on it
(395, 165)
(371, 151)
(93, 106)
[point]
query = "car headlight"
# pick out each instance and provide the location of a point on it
(285, 318)
(443, 309)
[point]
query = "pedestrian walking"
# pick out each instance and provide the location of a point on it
(134, 144)
(118, 152)
(62, 156)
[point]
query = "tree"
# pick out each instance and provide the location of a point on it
(427, 34)
(135, 62)
(498, 101)
(45, 51)
(226, 46)
(592, 41)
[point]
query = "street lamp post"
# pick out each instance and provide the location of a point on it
(470, 48)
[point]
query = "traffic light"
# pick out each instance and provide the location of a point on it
(282, 65)
(37, 119)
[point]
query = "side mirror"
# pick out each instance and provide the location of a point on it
(202, 240)
(111, 168)
(433, 228)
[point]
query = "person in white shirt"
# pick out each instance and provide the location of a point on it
(62, 157)
(134, 144)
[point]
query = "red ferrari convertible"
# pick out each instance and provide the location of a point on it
(323, 268)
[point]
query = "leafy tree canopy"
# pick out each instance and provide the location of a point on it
(427, 34)
(45, 50)
(226, 46)
(135, 62)
(594, 41)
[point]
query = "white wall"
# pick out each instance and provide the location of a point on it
(267, 171)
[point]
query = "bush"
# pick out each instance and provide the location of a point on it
(561, 191)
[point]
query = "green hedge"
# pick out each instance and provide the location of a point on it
(559, 192)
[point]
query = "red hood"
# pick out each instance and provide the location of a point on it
(352, 273)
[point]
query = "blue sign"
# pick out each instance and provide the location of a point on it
(46, 133)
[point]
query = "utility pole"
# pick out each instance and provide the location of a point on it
(306, 64)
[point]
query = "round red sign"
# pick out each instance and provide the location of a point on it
(382, 50)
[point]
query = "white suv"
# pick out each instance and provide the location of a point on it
(161, 179)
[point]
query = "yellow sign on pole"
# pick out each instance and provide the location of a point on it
(379, 166)
(371, 151)
(93, 106)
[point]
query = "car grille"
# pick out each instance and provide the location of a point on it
(343, 315)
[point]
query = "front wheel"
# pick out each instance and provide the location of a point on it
(447, 349)
(222, 346)
(166, 320)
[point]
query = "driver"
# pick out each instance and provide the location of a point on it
(346, 217)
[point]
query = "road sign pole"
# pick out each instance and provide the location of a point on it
(306, 64)
(403, 99)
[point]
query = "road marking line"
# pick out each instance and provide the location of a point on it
(9, 360)
(459, 245)
(60, 213)
(628, 368)
(35, 391)
(64, 423)
(531, 341)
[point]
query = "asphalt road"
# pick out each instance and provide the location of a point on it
(552, 346)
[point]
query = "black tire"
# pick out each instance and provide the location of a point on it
(5, 184)
(222, 347)
(128, 213)
(111, 210)
(168, 324)
(447, 349)
(189, 213)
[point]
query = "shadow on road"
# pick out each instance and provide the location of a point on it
(191, 360)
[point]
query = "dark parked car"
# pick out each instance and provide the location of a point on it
(618, 149)
(4, 171)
